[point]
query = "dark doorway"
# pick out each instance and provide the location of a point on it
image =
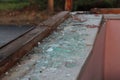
(59, 5)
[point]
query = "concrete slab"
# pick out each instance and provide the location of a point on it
(62, 55)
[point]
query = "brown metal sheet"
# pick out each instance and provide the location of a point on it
(112, 51)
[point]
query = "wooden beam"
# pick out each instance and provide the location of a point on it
(68, 5)
(51, 5)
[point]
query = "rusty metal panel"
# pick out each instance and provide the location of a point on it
(112, 51)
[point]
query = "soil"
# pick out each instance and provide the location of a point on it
(23, 17)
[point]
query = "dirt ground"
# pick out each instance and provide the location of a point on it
(23, 17)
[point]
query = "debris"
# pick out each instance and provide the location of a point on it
(53, 69)
(64, 49)
(91, 26)
(24, 79)
(6, 73)
(39, 43)
(82, 19)
(70, 64)
(34, 77)
(68, 75)
(50, 49)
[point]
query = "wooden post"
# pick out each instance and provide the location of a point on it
(51, 5)
(68, 5)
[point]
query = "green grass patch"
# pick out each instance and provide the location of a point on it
(13, 6)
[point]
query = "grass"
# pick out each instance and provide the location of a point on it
(13, 6)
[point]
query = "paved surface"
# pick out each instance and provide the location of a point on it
(9, 33)
(61, 55)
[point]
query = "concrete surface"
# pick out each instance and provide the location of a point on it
(61, 55)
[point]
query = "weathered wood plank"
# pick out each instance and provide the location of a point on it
(53, 21)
